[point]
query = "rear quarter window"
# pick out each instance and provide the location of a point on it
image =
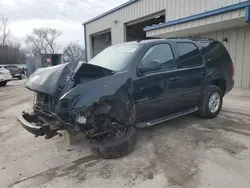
(215, 51)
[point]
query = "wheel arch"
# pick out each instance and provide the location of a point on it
(122, 111)
(217, 80)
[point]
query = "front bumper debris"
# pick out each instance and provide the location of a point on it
(31, 123)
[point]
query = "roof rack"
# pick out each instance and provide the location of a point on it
(191, 38)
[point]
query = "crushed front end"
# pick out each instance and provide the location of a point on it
(49, 114)
(57, 92)
(48, 117)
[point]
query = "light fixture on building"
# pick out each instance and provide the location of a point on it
(225, 40)
(115, 21)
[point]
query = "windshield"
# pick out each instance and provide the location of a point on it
(11, 67)
(116, 58)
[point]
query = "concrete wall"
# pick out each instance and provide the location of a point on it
(174, 9)
(239, 48)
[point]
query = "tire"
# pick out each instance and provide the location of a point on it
(3, 84)
(20, 78)
(208, 92)
(115, 148)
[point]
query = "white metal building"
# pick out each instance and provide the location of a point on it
(141, 19)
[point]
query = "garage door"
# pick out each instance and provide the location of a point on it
(100, 42)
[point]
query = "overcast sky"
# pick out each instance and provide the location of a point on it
(64, 15)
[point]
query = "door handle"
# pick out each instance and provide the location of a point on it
(174, 79)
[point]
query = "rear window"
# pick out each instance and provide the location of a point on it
(189, 55)
(11, 67)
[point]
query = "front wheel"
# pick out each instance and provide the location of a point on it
(113, 146)
(211, 102)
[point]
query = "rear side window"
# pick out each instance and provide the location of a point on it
(189, 55)
(161, 53)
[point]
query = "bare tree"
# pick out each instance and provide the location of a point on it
(43, 40)
(36, 45)
(4, 30)
(73, 53)
(50, 35)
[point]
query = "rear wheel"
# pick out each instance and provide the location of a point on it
(3, 83)
(116, 144)
(211, 102)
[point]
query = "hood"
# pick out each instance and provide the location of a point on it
(59, 79)
(47, 80)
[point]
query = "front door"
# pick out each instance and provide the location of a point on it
(157, 93)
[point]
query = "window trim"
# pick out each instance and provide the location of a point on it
(163, 70)
(188, 68)
(171, 71)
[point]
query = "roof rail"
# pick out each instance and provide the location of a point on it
(191, 38)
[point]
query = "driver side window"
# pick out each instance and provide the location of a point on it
(161, 53)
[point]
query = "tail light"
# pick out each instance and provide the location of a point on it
(232, 71)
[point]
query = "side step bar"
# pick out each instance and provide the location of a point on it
(167, 118)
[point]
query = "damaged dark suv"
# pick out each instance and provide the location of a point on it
(136, 84)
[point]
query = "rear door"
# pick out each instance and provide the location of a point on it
(192, 72)
(157, 93)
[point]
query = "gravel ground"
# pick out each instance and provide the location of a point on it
(184, 153)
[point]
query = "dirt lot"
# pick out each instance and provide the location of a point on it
(186, 152)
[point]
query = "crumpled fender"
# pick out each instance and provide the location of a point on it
(114, 87)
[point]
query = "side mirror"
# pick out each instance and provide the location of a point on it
(149, 66)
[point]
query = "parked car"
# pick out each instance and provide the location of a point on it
(15, 71)
(5, 76)
(136, 84)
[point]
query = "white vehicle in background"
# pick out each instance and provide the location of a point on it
(5, 76)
